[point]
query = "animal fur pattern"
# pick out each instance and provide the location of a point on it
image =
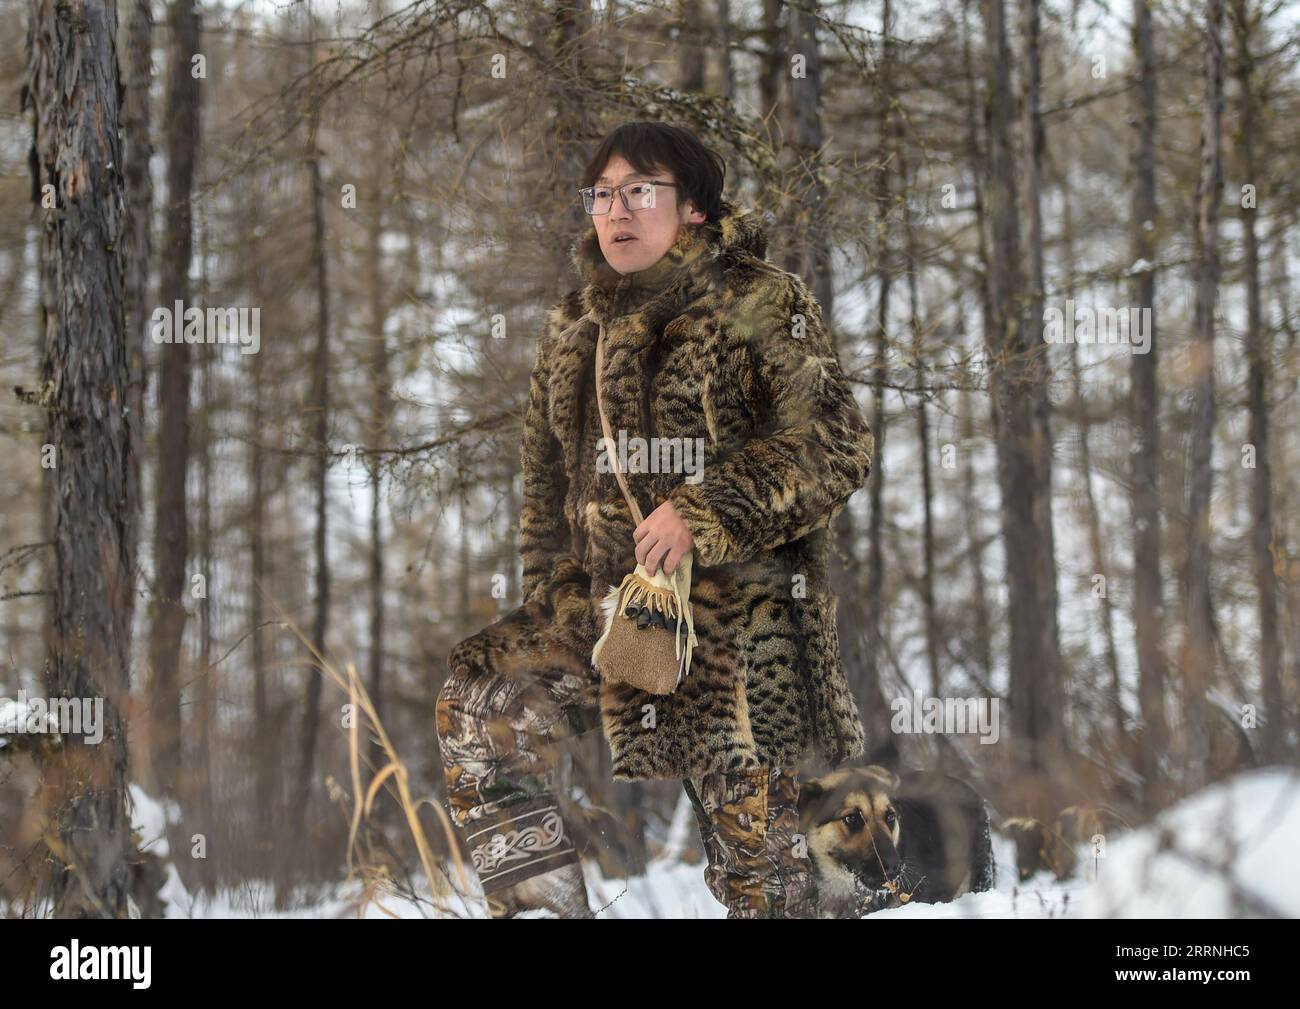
(711, 342)
(880, 839)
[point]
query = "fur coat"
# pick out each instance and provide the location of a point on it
(715, 345)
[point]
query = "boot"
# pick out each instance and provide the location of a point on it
(562, 891)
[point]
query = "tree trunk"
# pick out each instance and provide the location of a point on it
(809, 248)
(262, 739)
(320, 399)
(872, 697)
(205, 708)
(380, 411)
(773, 67)
(1144, 409)
(917, 328)
(1016, 384)
(983, 623)
(1280, 287)
(72, 88)
(1198, 645)
(1259, 354)
(690, 46)
(1050, 693)
(974, 537)
(726, 69)
(171, 522)
(137, 150)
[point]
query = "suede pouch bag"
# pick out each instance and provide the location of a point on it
(649, 633)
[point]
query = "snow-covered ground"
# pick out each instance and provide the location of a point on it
(1250, 824)
(1228, 852)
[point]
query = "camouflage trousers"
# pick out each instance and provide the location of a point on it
(498, 731)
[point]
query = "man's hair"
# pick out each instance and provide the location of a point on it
(648, 147)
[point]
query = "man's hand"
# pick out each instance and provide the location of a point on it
(663, 536)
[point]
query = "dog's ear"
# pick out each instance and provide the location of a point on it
(888, 780)
(809, 791)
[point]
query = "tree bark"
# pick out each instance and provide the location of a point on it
(690, 46)
(871, 695)
(1016, 383)
(320, 408)
(975, 545)
(773, 68)
(983, 623)
(205, 709)
(137, 151)
(726, 68)
(917, 328)
(809, 249)
(1144, 410)
(72, 88)
(381, 409)
(1198, 644)
(171, 522)
(262, 739)
(1037, 365)
(1259, 354)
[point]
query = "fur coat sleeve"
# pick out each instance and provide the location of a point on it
(545, 543)
(814, 447)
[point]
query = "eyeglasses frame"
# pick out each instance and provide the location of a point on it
(582, 190)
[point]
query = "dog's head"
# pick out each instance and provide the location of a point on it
(853, 829)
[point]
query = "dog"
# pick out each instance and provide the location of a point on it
(1042, 847)
(1039, 848)
(878, 838)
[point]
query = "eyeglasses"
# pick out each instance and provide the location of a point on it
(597, 200)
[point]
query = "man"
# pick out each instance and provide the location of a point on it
(707, 344)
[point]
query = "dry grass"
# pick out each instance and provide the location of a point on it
(375, 876)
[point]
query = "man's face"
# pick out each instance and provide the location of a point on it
(653, 229)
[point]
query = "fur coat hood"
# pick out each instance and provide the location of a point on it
(720, 377)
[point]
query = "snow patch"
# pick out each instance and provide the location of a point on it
(1228, 852)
